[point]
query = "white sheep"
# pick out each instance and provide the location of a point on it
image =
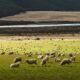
(10, 53)
(30, 54)
(15, 65)
(65, 61)
(31, 61)
(40, 56)
(61, 54)
(2, 53)
(73, 58)
(45, 60)
(57, 60)
(17, 59)
(71, 54)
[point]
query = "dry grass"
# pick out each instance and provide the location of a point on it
(45, 16)
(43, 37)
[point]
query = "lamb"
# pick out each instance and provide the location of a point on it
(65, 61)
(71, 54)
(2, 53)
(25, 53)
(10, 53)
(52, 55)
(45, 60)
(61, 54)
(31, 61)
(57, 60)
(17, 59)
(15, 65)
(73, 58)
(30, 54)
(40, 56)
(48, 54)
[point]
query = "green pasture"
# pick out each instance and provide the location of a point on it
(52, 70)
(40, 46)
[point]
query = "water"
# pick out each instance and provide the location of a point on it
(41, 25)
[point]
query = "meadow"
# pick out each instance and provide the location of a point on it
(52, 70)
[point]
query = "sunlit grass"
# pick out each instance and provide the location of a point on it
(40, 46)
(52, 71)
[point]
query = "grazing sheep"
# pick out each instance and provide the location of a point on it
(73, 58)
(25, 53)
(45, 60)
(30, 54)
(52, 55)
(56, 52)
(17, 59)
(31, 61)
(57, 60)
(71, 54)
(10, 53)
(48, 54)
(15, 65)
(40, 56)
(61, 54)
(65, 61)
(2, 53)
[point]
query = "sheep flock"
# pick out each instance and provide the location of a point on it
(43, 59)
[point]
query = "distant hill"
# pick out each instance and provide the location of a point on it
(64, 5)
(8, 7)
(11, 7)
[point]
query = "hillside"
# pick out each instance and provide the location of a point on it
(45, 16)
(32, 9)
(8, 7)
(60, 5)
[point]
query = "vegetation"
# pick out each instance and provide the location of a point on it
(52, 70)
(11, 7)
(40, 46)
(8, 8)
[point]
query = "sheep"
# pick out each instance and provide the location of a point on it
(52, 55)
(71, 54)
(40, 56)
(30, 54)
(65, 61)
(57, 60)
(45, 60)
(73, 58)
(61, 54)
(56, 52)
(17, 59)
(10, 53)
(31, 61)
(48, 54)
(15, 65)
(38, 53)
(25, 53)
(2, 53)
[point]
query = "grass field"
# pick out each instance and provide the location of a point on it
(52, 70)
(40, 46)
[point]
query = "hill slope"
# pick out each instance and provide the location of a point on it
(11, 7)
(50, 4)
(8, 7)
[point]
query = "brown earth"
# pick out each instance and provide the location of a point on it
(48, 37)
